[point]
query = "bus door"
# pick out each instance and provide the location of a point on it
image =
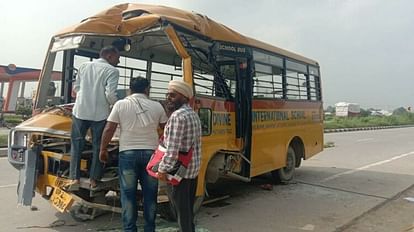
(243, 108)
(239, 57)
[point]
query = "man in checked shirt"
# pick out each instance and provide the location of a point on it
(181, 133)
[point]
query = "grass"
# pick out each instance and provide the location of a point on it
(3, 140)
(369, 121)
(13, 119)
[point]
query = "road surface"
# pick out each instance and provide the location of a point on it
(364, 183)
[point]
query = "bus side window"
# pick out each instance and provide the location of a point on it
(205, 118)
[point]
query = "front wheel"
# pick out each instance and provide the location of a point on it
(286, 174)
(198, 202)
(167, 210)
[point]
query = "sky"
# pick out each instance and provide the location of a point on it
(365, 48)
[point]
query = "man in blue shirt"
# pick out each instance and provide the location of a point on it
(95, 89)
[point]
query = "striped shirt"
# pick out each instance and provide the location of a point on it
(95, 89)
(182, 131)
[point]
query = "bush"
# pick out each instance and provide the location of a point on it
(3, 140)
(353, 122)
(12, 119)
(24, 111)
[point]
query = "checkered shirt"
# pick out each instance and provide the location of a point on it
(182, 131)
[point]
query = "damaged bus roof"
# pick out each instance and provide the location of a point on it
(130, 18)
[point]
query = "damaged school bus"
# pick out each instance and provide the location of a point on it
(260, 105)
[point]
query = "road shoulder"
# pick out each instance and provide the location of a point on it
(395, 214)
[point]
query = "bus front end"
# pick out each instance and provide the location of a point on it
(39, 148)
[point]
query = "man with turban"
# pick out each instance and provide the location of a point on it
(181, 133)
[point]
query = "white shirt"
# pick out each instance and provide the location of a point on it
(95, 89)
(138, 118)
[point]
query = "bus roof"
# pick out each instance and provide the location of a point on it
(112, 22)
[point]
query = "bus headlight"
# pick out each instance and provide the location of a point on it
(17, 155)
(18, 145)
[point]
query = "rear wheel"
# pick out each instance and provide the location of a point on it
(286, 174)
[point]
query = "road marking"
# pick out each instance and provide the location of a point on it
(364, 140)
(367, 166)
(308, 227)
(8, 185)
(3, 158)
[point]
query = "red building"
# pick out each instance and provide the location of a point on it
(16, 78)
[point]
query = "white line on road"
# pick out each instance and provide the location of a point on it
(367, 166)
(3, 158)
(364, 140)
(8, 185)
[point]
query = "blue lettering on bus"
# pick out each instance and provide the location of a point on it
(262, 116)
(221, 119)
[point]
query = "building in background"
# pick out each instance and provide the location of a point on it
(15, 79)
(345, 109)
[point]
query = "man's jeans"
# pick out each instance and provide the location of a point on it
(79, 129)
(132, 167)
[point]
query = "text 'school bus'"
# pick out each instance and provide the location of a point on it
(260, 106)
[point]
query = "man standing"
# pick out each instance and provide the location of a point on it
(139, 118)
(95, 89)
(182, 132)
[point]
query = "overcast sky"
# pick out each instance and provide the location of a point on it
(365, 47)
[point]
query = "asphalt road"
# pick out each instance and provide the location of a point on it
(361, 184)
(334, 189)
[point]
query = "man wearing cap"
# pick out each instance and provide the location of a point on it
(181, 133)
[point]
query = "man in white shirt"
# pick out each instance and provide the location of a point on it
(95, 89)
(138, 118)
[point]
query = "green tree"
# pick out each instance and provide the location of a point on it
(330, 109)
(365, 113)
(399, 111)
(24, 111)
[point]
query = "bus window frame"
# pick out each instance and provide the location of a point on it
(209, 120)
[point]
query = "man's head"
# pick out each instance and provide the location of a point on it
(139, 85)
(179, 93)
(110, 54)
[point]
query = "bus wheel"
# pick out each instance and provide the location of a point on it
(198, 202)
(167, 211)
(285, 174)
(210, 178)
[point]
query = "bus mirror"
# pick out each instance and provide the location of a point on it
(122, 44)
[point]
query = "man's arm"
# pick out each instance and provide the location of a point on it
(163, 117)
(172, 144)
(162, 125)
(111, 85)
(76, 85)
(107, 135)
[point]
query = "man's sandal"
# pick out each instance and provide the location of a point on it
(72, 186)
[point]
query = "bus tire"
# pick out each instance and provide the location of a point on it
(198, 202)
(286, 174)
(167, 211)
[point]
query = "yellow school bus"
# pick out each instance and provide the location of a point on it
(260, 105)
